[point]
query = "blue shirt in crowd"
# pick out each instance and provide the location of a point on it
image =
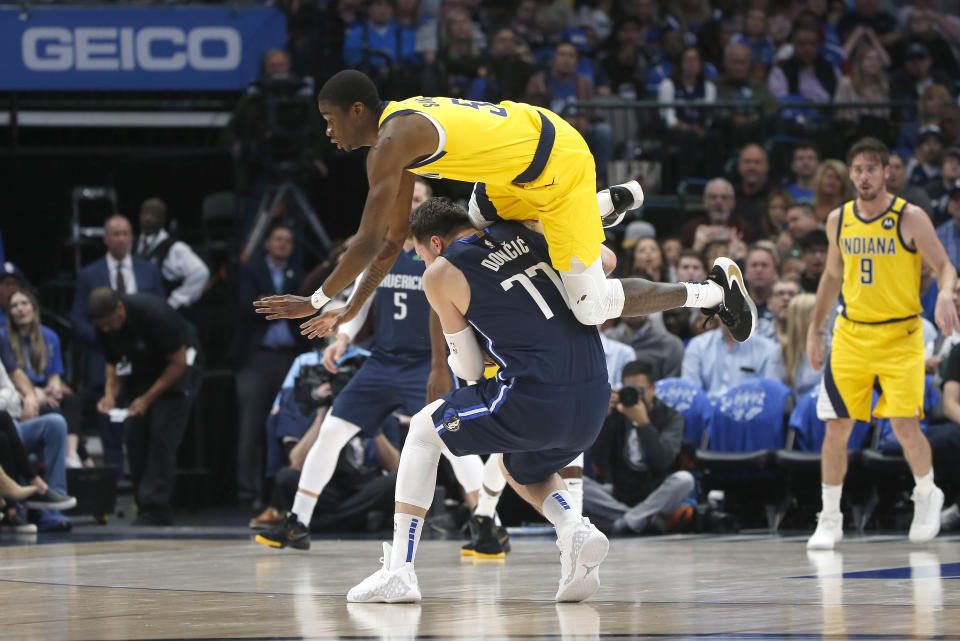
(715, 366)
(278, 332)
(54, 358)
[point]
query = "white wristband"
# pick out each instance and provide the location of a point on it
(319, 299)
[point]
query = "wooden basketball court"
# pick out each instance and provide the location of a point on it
(191, 583)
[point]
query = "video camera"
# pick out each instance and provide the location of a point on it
(311, 377)
(289, 121)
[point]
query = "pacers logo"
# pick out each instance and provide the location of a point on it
(451, 420)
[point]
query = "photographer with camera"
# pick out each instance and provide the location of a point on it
(393, 379)
(635, 456)
(365, 474)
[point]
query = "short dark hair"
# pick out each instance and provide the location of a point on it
(348, 87)
(693, 253)
(871, 146)
(282, 224)
(807, 144)
(438, 216)
(635, 368)
(102, 302)
(815, 238)
(805, 206)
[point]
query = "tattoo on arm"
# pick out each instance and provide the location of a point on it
(375, 272)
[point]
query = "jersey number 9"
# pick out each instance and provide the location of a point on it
(866, 271)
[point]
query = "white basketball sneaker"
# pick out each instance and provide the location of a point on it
(617, 200)
(387, 585)
(926, 515)
(581, 553)
(829, 532)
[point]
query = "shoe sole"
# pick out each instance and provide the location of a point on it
(47, 505)
(464, 552)
(586, 578)
(821, 546)
(262, 526)
(270, 543)
(727, 265)
(497, 555)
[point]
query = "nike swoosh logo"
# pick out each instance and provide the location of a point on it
(848, 224)
(910, 331)
(734, 273)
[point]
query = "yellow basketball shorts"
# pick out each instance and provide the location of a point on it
(861, 353)
(563, 198)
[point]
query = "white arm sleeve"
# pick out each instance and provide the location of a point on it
(466, 358)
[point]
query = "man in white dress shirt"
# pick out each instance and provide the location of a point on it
(184, 273)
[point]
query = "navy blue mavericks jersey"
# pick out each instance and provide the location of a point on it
(402, 312)
(518, 307)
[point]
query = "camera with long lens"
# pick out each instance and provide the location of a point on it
(312, 377)
(630, 395)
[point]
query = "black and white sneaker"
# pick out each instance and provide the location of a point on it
(51, 500)
(617, 200)
(290, 532)
(737, 310)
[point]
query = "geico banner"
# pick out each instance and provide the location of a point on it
(135, 48)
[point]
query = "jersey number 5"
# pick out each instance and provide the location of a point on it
(400, 300)
(527, 284)
(866, 271)
(474, 104)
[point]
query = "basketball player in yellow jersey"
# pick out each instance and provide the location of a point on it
(527, 163)
(873, 261)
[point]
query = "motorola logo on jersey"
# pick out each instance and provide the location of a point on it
(166, 48)
(887, 223)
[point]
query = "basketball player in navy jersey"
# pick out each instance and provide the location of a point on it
(393, 378)
(545, 406)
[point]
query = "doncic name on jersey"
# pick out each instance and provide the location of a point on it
(508, 251)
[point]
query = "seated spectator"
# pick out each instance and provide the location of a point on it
(648, 258)
(920, 28)
(831, 188)
(636, 452)
(924, 166)
(671, 247)
(561, 84)
(689, 126)
(754, 36)
(773, 227)
(626, 64)
(379, 43)
(867, 82)
(931, 107)
(719, 223)
(715, 361)
(814, 255)
(897, 185)
(261, 353)
(760, 273)
(184, 273)
(633, 234)
(866, 13)
(950, 123)
(16, 469)
(504, 73)
(949, 232)
(691, 267)
(808, 73)
(45, 437)
(11, 280)
(795, 369)
(459, 56)
(153, 368)
(801, 220)
(36, 348)
(651, 343)
(618, 355)
(865, 38)
(784, 290)
(127, 274)
(753, 184)
(915, 76)
(804, 166)
(738, 83)
(939, 191)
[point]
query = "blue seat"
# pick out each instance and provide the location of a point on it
(749, 417)
(887, 441)
(809, 430)
(691, 401)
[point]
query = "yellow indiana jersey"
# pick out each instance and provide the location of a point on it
(881, 275)
(497, 144)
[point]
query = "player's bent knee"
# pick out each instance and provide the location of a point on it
(422, 427)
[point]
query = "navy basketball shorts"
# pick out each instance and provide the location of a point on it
(379, 388)
(538, 427)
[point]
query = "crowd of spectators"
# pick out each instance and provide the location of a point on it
(769, 169)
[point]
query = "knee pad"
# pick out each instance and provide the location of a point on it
(422, 427)
(593, 298)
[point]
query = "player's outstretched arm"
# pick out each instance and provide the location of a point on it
(917, 228)
(827, 292)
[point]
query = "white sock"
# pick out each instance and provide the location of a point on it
(320, 463)
(559, 510)
(575, 487)
(707, 294)
(487, 503)
(831, 498)
(924, 483)
(406, 537)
